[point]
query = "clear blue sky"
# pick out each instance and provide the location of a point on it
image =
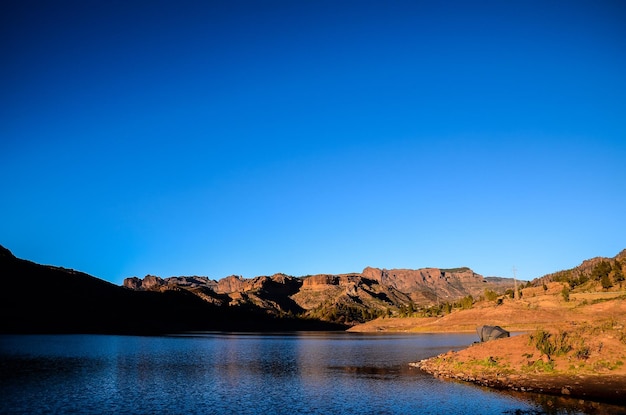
(229, 137)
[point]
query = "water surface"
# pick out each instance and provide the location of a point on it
(218, 373)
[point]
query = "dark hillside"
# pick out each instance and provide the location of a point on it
(43, 299)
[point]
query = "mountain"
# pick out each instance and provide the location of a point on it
(343, 298)
(39, 298)
(45, 299)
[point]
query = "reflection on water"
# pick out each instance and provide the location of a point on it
(214, 373)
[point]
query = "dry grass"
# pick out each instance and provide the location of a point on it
(547, 311)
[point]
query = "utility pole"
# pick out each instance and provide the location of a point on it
(515, 294)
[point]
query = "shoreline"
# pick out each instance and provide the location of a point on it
(610, 389)
(569, 350)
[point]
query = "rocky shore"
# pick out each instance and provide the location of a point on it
(600, 388)
(586, 363)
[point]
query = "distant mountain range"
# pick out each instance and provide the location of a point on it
(39, 298)
(344, 298)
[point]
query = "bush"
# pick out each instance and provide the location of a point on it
(551, 345)
(606, 282)
(467, 302)
(603, 268)
(491, 295)
(582, 353)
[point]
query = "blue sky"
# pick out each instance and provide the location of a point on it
(249, 138)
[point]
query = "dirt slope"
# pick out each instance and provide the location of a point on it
(542, 311)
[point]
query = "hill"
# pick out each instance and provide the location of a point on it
(44, 299)
(546, 301)
(573, 351)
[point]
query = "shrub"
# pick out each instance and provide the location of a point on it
(491, 295)
(467, 302)
(582, 353)
(551, 345)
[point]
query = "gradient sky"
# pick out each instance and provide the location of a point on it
(233, 137)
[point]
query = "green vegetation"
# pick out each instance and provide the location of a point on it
(491, 295)
(601, 270)
(541, 366)
(606, 282)
(582, 353)
(549, 344)
(407, 310)
(607, 272)
(467, 302)
(618, 274)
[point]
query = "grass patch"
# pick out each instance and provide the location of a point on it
(487, 362)
(542, 366)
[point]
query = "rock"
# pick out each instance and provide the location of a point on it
(230, 284)
(134, 283)
(435, 284)
(316, 280)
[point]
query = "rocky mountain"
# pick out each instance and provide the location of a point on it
(40, 298)
(345, 298)
(429, 285)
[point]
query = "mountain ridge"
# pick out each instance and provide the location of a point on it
(350, 298)
(44, 298)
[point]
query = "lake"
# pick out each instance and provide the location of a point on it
(222, 373)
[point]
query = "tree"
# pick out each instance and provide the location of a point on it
(491, 295)
(565, 293)
(467, 302)
(411, 309)
(618, 275)
(600, 270)
(606, 282)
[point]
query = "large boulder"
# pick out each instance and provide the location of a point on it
(486, 333)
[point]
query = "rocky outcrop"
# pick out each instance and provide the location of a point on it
(230, 284)
(434, 284)
(320, 280)
(154, 283)
(134, 283)
(193, 281)
(329, 279)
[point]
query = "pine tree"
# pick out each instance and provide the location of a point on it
(606, 282)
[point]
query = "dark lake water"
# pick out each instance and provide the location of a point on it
(213, 373)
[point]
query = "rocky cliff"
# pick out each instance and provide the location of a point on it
(428, 285)
(344, 298)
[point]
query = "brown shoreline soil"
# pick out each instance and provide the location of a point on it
(600, 388)
(583, 361)
(574, 349)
